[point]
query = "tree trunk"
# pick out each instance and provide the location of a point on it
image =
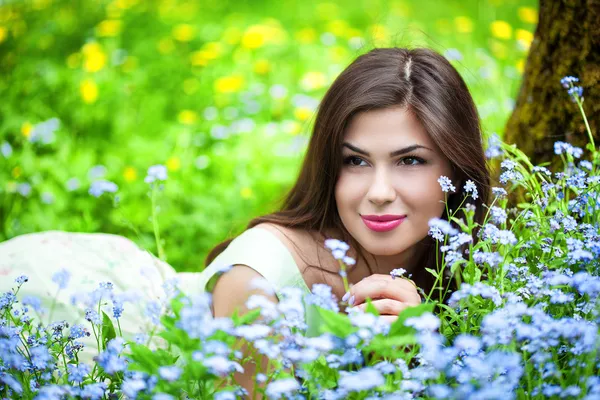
(566, 42)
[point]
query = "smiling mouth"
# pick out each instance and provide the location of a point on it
(382, 223)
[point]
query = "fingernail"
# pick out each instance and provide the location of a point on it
(351, 301)
(346, 296)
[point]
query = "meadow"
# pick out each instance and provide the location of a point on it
(223, 94)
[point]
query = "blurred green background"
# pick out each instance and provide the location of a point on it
(222, 93)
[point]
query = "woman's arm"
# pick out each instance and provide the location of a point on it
(231, 292)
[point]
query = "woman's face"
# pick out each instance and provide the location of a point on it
(391, 168)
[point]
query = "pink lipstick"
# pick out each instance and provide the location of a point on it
(382, 223)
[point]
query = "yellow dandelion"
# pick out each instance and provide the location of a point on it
(94, 57)
(16, 172)
(229, 84)
(89, 91)
(379, 33)
(303, 113)
(501, 29)
(520, 65)
(254, 37)
(191, 86)
(130, 174)
(26, 129)
(173, 163)
(246, 193)
(198, 58)
(498, 49)
(212, 50)
(338, 27)
(165, 46)
(262, 67)
(184, 32)
(306, 35)
(109, 27)
(313, 80)
(187, 117)
(524, 37)
(463, 24)
(528, 14)
(3, 34)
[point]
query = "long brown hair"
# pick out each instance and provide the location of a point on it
(430, 87)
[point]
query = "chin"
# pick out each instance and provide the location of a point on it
(383, 247)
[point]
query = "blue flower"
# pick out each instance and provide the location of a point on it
(322, 296)
(567, 148)
(6, 300)
(170, 373)
(21, 279)
(61, 278)
(576, 92)
(93, 391)
(282, 387)
(44, 131)
(6, 149)
(117, 308)
(110, 359)
(499, 192)
(397, 272)
(568, 81)
(77, 373)
(156, 173)
(93, 316)
(41, 358)
(24, 189)
(102, 186)
(446, 184)
(470, 188)
(425, 322)
(438, 228)
(364, 379)
(10, 382)
(494, 147)
(132, 386)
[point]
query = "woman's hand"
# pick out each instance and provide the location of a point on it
(390, 296)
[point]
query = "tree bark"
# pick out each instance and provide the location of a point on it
(566, 42)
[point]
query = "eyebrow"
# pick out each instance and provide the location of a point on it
(394, 153)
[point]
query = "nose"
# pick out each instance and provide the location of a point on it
(381, 190)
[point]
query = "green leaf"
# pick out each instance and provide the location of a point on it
(370, 308)
(335, 323)
(108, 330)
(399, 328)
(246, 319)
(432, 272)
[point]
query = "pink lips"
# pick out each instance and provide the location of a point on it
(382, 223)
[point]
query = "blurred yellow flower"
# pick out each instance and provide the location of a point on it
(89, 91)
(338, 53)
(258, 35)
(16, 172)
(520, 65)
(191, 86)
(313, 80)
(524, 37)
(498, 49)
(528, 14)
(262, 66)
(246, 192)
(109, 27)
(165, 46)
(184, 32)
(187, 117)
(130, 174)
(198, 58)
(379, 33)
(229, 84)
(26, 129)
(3, 34)
(306, 35)
(94, 57)
(338, 27)
(209, 51)
(463, 24)
(303, 113)
(501, 29)
(125, 4)
(173, 163)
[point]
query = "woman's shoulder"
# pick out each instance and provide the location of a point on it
(306, 247)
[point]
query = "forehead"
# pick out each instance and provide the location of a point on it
(387, 127)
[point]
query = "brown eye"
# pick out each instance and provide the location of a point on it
(353, 161)
(412, 161)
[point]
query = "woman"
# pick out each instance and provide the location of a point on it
(388, 128)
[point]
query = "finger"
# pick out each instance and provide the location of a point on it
(386, 306)
(377, 287)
